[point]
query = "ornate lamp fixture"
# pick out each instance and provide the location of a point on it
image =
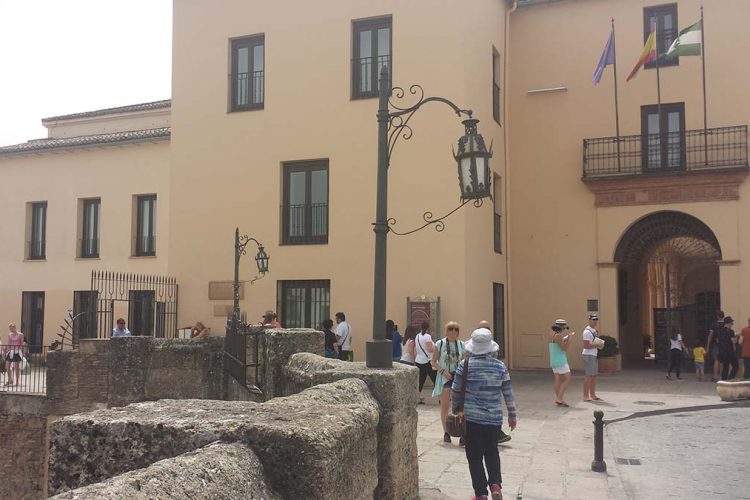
(473, 163)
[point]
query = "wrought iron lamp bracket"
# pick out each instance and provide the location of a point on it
(398, 120)
(241, 250)
(429, 219)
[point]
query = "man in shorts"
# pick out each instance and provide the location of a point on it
(589, 359)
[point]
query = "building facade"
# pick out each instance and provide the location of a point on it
(272, 128)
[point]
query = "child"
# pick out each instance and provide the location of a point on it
(699, 354)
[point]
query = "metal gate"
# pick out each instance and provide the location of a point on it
(147, 303)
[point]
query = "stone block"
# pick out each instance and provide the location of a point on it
(312, 445)
(280, 346)
(733, 391)
(395, 389)
(218, 471)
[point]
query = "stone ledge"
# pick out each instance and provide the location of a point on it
(218, 471)
(297, 438)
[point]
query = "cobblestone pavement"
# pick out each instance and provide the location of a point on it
(550, 454)
(695, 454)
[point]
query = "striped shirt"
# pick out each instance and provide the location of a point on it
(488, 379)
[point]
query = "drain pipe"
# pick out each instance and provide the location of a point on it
(506, 188)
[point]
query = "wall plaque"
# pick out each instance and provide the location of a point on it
(223, 290)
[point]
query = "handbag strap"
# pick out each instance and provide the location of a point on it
(463, 387)
(420, 346)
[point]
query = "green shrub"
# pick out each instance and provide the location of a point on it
(610, 348)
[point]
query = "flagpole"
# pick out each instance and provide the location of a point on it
(617, 109)
(658, 79)
(705, 113)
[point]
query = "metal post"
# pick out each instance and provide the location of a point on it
(236, 305)
(599, 465)
(379, 352)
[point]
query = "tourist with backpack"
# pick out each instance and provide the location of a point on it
(445, 359)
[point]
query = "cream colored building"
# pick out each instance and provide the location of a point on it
(272, 129)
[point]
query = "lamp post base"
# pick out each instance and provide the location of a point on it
(379, 354)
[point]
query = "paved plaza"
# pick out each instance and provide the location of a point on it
(551, 451)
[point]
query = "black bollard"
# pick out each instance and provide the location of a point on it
(599, 465)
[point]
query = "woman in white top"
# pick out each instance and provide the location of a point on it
(676, 347)
(407, 346)
(423, 348)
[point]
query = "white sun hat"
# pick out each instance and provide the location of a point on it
(481, 342)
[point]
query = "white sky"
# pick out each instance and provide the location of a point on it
(67, 56)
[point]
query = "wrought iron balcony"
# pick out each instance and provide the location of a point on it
(365, 72)
(305, 224)
(692, 151)
(248, 90)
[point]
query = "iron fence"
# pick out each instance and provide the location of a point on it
(26, 376)
(365, 73)
(249, 89)
(242, 354)
(722, 148)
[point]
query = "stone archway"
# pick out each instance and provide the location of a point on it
(668, 279)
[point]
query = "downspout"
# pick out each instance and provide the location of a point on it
(506, 187)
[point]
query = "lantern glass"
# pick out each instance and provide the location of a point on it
(262, 260)
(473, 163)
(465, 169)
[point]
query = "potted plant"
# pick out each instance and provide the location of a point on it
(647, 345)
(609, 355)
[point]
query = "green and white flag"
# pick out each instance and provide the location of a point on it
(688, 42)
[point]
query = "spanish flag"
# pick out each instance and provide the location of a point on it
(648, 54)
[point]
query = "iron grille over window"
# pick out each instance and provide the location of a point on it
(90, 228)
(38, 241)
(247, 81)
(372, 51)
(145, 236)
(665, 18)
(305, 205)
(304, 304)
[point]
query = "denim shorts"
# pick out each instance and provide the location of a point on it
(698, 366)
(591, 365)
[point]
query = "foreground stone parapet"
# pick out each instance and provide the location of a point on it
(396, 391)
(312, 445)
(733, 391)
(218, 471)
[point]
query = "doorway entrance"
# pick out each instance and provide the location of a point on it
(668, 281)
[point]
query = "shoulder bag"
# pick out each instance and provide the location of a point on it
(455, 423)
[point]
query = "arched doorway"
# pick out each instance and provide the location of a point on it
(668, 279)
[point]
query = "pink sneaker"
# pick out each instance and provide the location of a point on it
(480, 497)
(496, 491)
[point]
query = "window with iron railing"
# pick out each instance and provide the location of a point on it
(37, 242)
(247, 78)
(145, 234)
(665, 19)
(89, 246)
(371, 51)
(305, 203)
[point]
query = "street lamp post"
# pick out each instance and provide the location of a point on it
(474, 177)
(261, 260)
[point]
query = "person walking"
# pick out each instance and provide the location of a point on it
(559, 340)
(396, 339)
(423, 347)
(330, 339)
(344, 338)
(676, 348)
(486, 380)
(727, 356)
(589, 354)
(699, 356)
(407, 346)
(14, 354)
(445, 358)
(745, 341)
(712, 345)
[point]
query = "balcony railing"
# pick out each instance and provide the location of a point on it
(365, 74)
(716, 149)
(89, 248)
(248, 90)
(305, 224)
(145, 246)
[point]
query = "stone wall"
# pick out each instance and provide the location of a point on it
(396, 392)
(78, 380)
(23, 446)
(313, 445)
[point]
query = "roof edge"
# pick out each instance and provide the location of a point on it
(131, 108)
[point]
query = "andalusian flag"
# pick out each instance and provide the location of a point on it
(688, 42)
(648, 54)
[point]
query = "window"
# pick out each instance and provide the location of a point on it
(305, 205)
(89, 247)
(497, 218)
(372, 51)
(663, 137)
(665, 17)
(303, 304)
(37, 241)
(498, 316)
(145, 235)
(495, 85)
(32, 319)
(85, 314)
(248, 73)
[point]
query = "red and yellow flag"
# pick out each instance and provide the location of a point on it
(648, 54)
